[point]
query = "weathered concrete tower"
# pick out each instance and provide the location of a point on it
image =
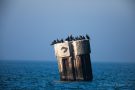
(74, 60)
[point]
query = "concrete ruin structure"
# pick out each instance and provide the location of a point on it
(74, 61)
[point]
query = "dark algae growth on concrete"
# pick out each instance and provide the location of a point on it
(73, 57)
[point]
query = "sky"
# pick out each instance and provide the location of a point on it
(27, 27)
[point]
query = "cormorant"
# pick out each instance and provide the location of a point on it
(83, 37)
(67, 39)
(58, 41)
(62, 40)
(80, 38)
(87, 36)
(71, 38)
(76, 38)
(54, 42)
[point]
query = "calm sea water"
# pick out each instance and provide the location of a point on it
(26, 75)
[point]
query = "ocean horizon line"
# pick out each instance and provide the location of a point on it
(36, 60)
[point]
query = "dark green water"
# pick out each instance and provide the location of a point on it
(34, 75)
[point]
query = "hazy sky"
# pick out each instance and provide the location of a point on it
(27, 27)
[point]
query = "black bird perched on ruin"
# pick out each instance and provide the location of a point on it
(83, 37)
(76, 38)
(71, 38)
(80, 37)
(62, 40)
(54, 42)
(87, 36)
(57, 41)
(67, 39)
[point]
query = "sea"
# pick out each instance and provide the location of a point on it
(44, 75)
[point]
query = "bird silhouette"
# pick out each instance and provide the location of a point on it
(77, 38)
(62, 40)
(67, 39)
(83, 37)
(54, 42)
(71, 38)
(58, 41)
(87, 36)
